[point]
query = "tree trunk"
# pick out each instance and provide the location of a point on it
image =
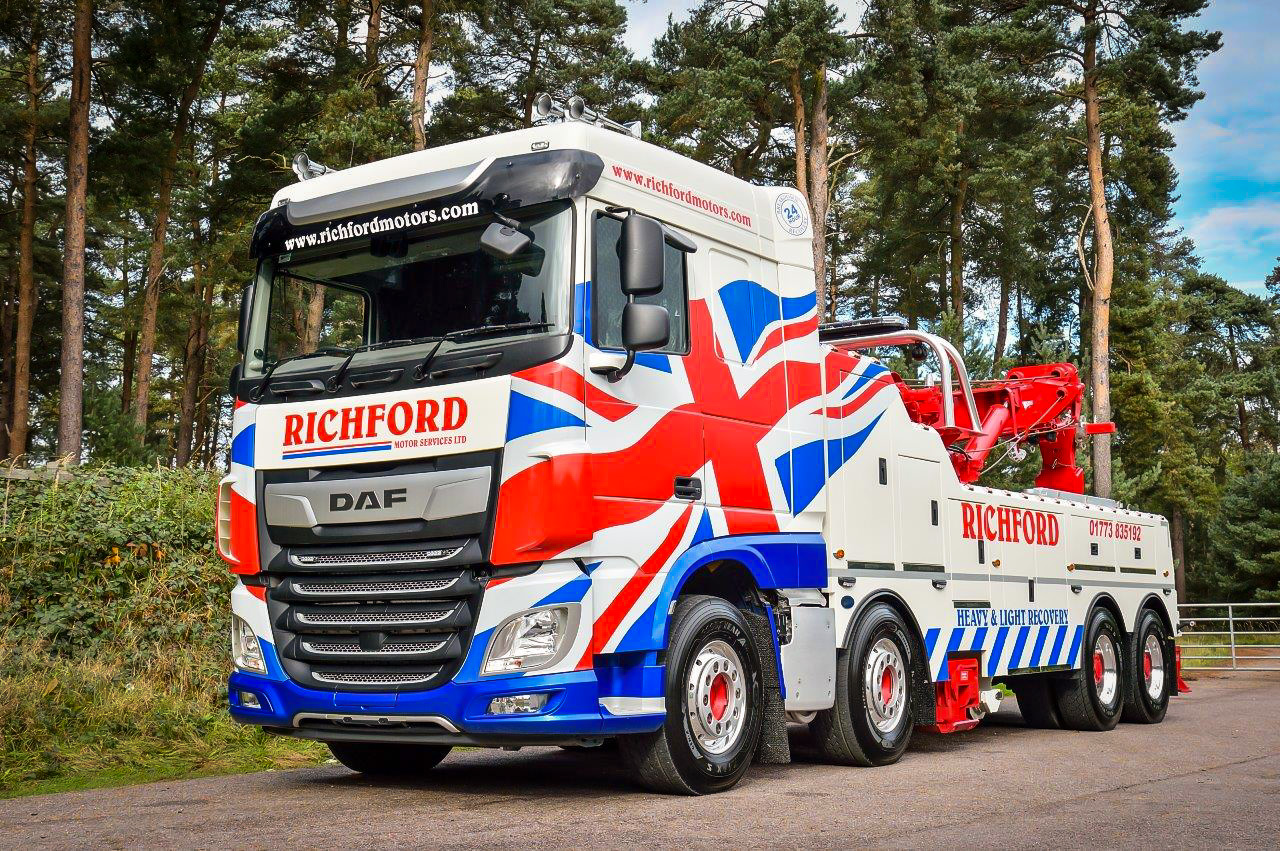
(422, 73)
(531, 81)
(957, 250)
(314, 319)
(1177, 540)
(818, 180)
(26, 258)
(1104, 266)
(373, 34)
(1002, 320)
(130, 341)
(155, 261)
(1242, 413)
(192, 367)
(71, 382)
(8, 322)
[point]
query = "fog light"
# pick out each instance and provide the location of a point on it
(531, 640)
(249, 700)
(246, 654)
(517, 704)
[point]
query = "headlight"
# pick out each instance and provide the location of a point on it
(246, 654)
(531, 640)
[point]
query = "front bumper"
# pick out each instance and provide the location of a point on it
(454, 713)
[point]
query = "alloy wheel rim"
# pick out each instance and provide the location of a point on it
(1106, 669)
(1153, 667)
(885, 685)
(716, 697)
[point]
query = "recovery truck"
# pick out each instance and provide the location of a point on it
(539, 440)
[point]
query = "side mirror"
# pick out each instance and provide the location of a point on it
(233, 383)
(641, 254)
(242, 331)
(503, 241)
(645, 327)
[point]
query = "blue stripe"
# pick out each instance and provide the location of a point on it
(953, 644)
(1058, 641)
(993, 661)
(930, 640)
(530, 416)
(1075, 646)
(871, 372)
(1018, 646)
(376, 448)
(1041, 636)
(806, 462)
(571, 592)
(242, 446)
(979, 638)
(841, 450)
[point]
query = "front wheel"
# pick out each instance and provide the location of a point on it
(714, 703)
(1152, 680)
(383, 759)
(872, 719)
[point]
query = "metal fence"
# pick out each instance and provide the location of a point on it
(1230, 636)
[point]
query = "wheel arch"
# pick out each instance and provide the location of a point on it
(1105, 601)
(1158, 605)
(749, 562)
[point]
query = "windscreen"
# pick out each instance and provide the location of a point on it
(397, 287)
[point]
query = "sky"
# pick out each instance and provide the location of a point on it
(1228, 149)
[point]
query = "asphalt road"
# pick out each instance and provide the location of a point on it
(1209, 776)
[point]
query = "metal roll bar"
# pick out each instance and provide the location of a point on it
(948, 359)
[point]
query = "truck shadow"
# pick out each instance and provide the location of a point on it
(494, 776)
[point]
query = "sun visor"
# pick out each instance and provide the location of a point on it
(396, 192)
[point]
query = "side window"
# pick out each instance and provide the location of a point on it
(607, 288)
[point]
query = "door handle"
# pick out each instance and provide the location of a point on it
(688, 487)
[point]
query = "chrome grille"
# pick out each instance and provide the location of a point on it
(373, 679)
(319, 588)
(354, 647)
(358, 618)
(354, 559)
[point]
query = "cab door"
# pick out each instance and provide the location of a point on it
(644, 431)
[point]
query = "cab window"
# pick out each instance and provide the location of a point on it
(607, 289)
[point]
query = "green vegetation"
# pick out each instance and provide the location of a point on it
(114, 616)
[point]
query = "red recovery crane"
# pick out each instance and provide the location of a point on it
(1038, 404)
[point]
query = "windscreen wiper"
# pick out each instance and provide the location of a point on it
(420, 371)
(336, 381)
(323, 351)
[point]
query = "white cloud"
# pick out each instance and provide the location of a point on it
(1232, 234)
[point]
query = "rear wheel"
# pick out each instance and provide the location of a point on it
(1092, 697)
(872, 719)
(1036, 701)
(714, 702)
(383, 759)
(1147, 699)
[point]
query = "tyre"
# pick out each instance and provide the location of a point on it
(714, 702)
(1036, 701)
(385, 759)
(1092, 697)
(873, 718)
(1147, 698)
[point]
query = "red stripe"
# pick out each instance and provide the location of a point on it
(790, 331)
(565, 380)
(607, 623)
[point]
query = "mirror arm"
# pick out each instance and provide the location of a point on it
(614, 374)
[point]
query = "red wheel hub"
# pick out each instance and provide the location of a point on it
(719, 696)
(1097, 667)
(1146, 665)
(886, 686)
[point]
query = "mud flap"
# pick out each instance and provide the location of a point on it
(774, 747)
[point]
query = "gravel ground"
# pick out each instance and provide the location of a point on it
(1208, 776)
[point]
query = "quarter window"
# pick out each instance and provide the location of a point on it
(607, 288)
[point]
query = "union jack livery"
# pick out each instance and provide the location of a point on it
(539, 440)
